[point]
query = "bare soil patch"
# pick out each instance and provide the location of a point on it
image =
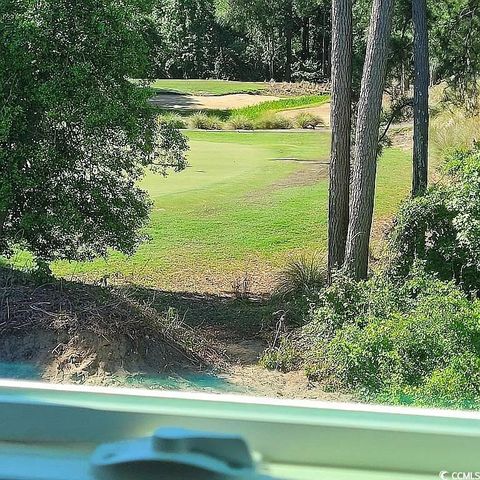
(77, 333)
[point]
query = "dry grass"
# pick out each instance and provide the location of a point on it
(108, 329)
(453, 129)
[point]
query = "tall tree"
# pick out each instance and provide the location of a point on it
(341, 115)
(288, 28)
(420, 102)
(362, 192)
(455, 45)
(75, 133)
(188, 29)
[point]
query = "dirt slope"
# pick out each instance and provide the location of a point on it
(65, 332)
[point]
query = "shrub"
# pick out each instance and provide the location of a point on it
(203, 121)
(307, 71)
(173, 120)
(273, 121)
(303, 276)
(284, 357)
(455, 386)
(241, 122)
(442, 228)
(409, 341)
(307, 120)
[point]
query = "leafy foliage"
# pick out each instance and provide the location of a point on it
(75, 134)
(413, 342)
(456, 48)
(442, 228)
(284, 358)
(187, 30)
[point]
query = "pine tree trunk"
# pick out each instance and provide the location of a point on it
(420, 102)
(341, 119)
(362, 193)
(306, 38)
(288, 42)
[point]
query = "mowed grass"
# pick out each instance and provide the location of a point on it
(239, 209)
(207, 87)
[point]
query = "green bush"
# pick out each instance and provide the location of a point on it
(285, 357)
(173, 120)
(455, 386)
(241, 122)
(442, 228)
(307, 120)
(303, 276)
(273, 121)
(202, 121)
(388, 341)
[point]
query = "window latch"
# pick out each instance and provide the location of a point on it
(176, 454)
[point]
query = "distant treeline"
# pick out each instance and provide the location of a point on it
(291, 40)
(242, 39)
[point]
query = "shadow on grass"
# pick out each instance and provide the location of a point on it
(243, 317)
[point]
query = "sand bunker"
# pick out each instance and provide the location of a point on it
(212, 102)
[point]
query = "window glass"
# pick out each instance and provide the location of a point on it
(217, 196)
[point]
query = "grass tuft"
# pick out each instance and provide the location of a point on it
(273, 121)
(202, 121)
(240, 122)
(173, 120)
(303, 276)
(308, 120)
(452, 130)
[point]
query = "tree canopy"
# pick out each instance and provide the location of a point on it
(75, 133)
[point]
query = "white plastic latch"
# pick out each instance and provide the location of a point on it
(176, 454)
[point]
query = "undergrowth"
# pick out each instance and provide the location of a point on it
(409, 334)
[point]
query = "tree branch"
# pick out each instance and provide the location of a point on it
(395, 112)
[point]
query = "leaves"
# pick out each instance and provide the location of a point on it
(75, 132)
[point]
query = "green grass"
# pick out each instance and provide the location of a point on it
(208, 87)
(274, 106)
(235, 210)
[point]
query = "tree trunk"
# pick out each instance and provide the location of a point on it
(3, 219)
(288, 42)
(341, 119)
(306, 38)
(324, 39)
(420, 101)
(362, 193)
(271, 59)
